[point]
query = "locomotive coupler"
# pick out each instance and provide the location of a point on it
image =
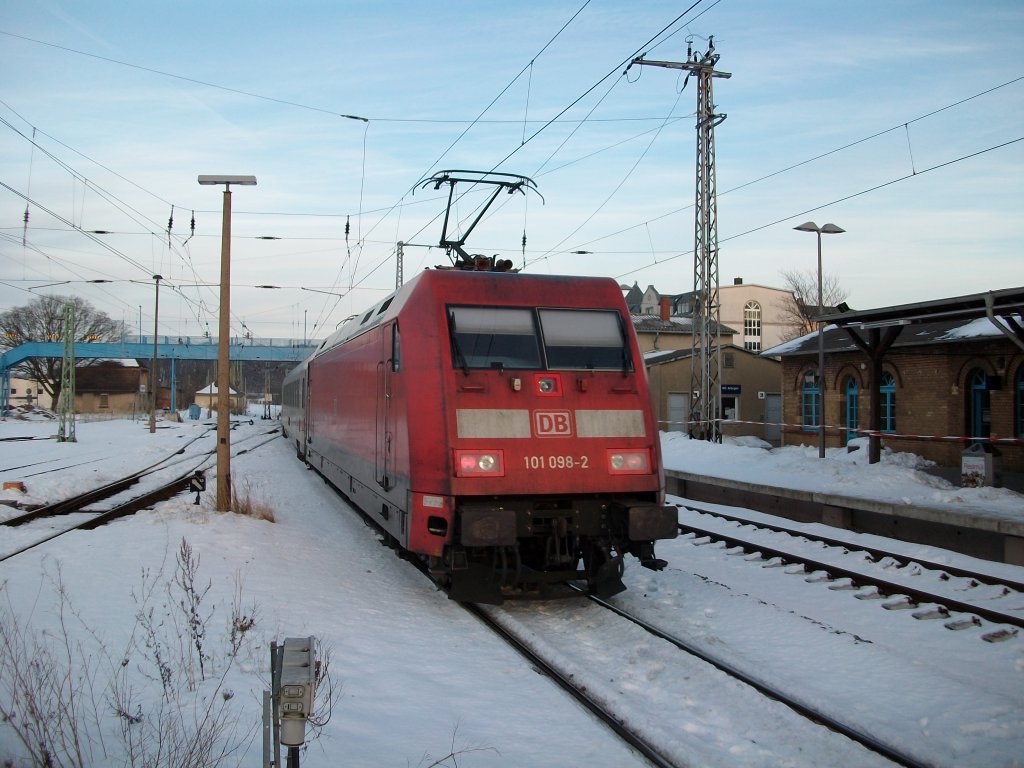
(644, 552)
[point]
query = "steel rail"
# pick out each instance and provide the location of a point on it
(876, 552)
(180, 484)
(576, 690)
(164, 492)
(865, 739)
(74, 503)
(859, 577)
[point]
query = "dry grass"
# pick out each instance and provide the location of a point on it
(242, 503)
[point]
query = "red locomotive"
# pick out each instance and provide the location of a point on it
(497, 425)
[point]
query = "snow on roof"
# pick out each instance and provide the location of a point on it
(919, 333)
(789, 346)
(981, 326)
(211, 389)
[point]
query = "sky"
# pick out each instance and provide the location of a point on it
(903, 123)
(416, 677)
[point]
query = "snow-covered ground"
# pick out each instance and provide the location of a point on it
(898, 478)
(416, 678)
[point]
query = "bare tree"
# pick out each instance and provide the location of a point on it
(797, 313)
(43, 320)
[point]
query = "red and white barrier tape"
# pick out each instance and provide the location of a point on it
(992, 439)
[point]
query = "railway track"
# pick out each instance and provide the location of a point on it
(580, 687)
(850, 731)
(869, 572)
(577, 689)
(894, 592)
(182, 482)
(130, 507)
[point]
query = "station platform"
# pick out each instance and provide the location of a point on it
(996, 536)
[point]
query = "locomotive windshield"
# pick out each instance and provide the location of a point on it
(587, 339)
(490, 337)
(504, 337)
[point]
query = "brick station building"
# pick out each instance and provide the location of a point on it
(931, 378)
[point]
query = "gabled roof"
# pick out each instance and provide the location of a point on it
(633, 296)
(921, 334)
(675, 324)
(660, 357)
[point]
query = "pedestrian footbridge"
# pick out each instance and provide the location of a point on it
(166, 347)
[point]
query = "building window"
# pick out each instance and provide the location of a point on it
(852, 411)
(752, 326)
(1019, 401)
(810, 402)
(104, 401)
(730, 408)
(888, 402)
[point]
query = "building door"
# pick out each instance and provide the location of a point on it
(851, 391)
(772, 418)
(386, 367)
(678, 412)
(979, 405)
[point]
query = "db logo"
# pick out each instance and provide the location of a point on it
(552, 424)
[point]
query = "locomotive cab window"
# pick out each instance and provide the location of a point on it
(584, 339)
(493, 337)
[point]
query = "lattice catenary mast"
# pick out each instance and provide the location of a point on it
(706, 360)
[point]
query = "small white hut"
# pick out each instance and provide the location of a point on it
(206, 398)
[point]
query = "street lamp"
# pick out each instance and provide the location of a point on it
(152, 367)
(223, 371)
(825, 229)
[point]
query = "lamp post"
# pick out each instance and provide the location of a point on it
(152, 367)
(223, 372)
(826, 229)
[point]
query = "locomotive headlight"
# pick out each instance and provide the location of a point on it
(629, 462)
(479, 464)
(547, 384)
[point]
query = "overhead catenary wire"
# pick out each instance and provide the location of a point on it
(577, 100)
(628, 61)
(851, 196)
(591, 119)
(479, 117)
(624, 179)
(812, 159)
(125, 208)
(626, 229)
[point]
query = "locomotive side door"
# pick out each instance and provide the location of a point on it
(386, 366)
(306, 401)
